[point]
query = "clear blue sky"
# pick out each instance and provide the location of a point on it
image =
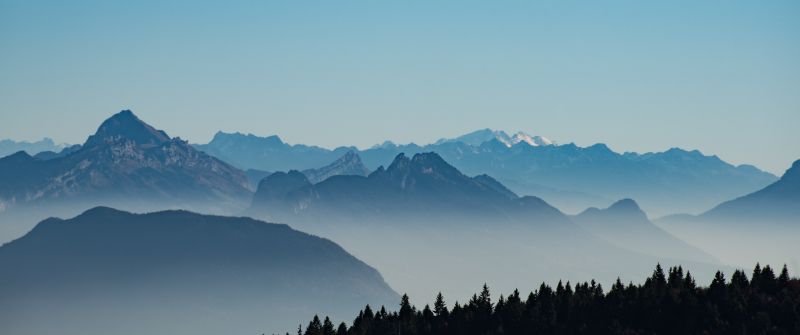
(719, 76)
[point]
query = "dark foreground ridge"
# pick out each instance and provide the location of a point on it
(665, 304)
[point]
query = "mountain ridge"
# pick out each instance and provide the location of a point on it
(111, 271)
(566, 175)
(125, 160)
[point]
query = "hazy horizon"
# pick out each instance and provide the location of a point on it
(718, 77)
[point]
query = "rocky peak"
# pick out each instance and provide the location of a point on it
(127, 127)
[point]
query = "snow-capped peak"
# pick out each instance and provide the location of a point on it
(532, 140)
(477, 137)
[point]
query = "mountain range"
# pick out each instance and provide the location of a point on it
(425, 183)
(626, 225)
(758, 227)
(777, 203)
(449, 218)
(427, 212)
(568, 176)
(476, 138)
(113, 272)
(125, 163)
(8, 147)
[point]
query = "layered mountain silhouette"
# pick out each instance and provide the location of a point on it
(568, 176)
(761, 226)
(626, 225)
(113, 272)
(778, 203)
(424, 222)
(268, 153)
(8, 147)
(125, 162)
(478, 137)
(348, 165)
(423, 185)
(45, 155)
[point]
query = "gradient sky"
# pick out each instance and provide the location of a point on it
(719, 76)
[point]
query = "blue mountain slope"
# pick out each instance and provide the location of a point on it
(107, 271)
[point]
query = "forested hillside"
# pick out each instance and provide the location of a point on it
(671, 303)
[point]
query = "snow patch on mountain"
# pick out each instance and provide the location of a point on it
(478, 137)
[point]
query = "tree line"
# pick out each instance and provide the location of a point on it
(671, 303)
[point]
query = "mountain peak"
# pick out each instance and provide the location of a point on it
(625, 205)
(349, 164)
(400, 161)
(127, 126)
(279, 184)
(532, 140)
(426, 163)
(478, 137)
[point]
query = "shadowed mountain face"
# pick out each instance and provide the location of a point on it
(570, 177)
(777, 203)
(112, 272)
(626, 225)
(759, 227)
(427, 225)
(125, 162)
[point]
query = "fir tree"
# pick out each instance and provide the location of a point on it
(439, 306)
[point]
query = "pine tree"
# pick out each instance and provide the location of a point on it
(439, 306)
(342, 330)
(485, 300)
(755, 280)
(783, 279)
(659, 280)
(717, 288)
(688, 282)
(739, 280)
(406, 310)
(767, 281)
(314, 327)
(327, 327)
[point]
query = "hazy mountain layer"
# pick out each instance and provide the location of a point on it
(8, 147)
(112, 272)
(759, 227)
(426, 224)
(626, 225)
(570, 177)
(777, 203)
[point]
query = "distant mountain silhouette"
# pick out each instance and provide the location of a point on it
(777, 203)
(113, 272)
(626, 225)
(348, 165)
(268, 153)
(126, 161)
(758, 227)
(8, 147)
(422, 221)
(478, 137)
(425, 183)
(46, 155)
(255, 176)
(568, 176)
